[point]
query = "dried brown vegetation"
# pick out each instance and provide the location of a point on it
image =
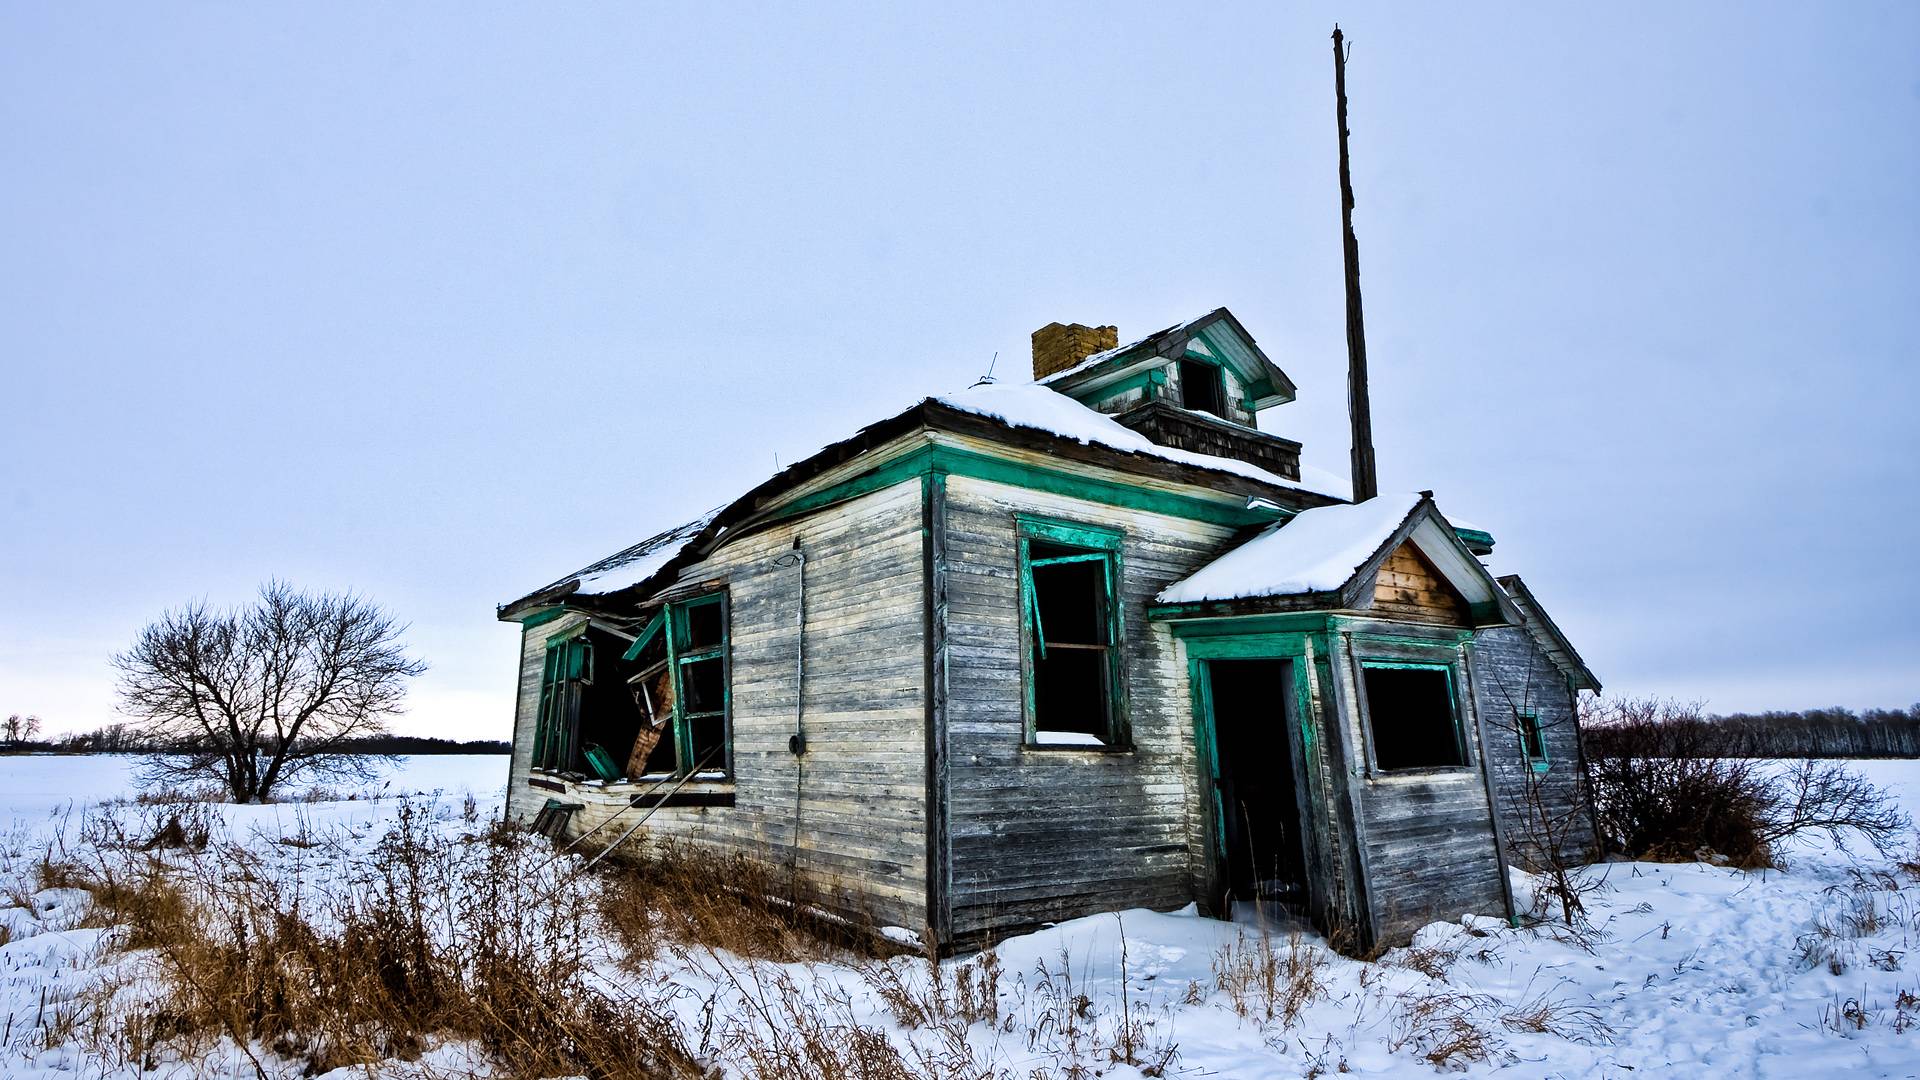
(1663, 790)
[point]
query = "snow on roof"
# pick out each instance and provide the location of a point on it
(1034, 405)
(1110, 353)
(639, 562)
(1027, 405)
(1315, 551)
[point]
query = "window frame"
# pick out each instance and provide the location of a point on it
(1218, 381)
(1535, 734)
(1093, 543)
(673, 621)
(556, 737)
(1455, 712)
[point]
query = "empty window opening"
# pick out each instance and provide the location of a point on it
(1072, 630)
(1410, 710)
(1202, 388)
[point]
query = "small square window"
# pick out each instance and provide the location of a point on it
(1410, 713)
(1203, 388)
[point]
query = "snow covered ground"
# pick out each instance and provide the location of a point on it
(1695, 970)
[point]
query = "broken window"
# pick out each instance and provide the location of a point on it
(1203, 388)
(681, 689)
(564, 678)
(1069, 583)
(701, 663)
(651, 687)
(1410, 712)
(655, 707)
(1533, 741)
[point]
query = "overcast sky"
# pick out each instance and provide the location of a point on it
(441, 302)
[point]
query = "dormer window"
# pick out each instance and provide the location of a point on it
(1203, 388)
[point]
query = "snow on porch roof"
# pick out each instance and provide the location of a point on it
(1315, 551)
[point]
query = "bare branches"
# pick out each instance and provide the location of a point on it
(258, 695)
(1667, 785)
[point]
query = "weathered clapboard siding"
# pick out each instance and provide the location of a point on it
(859, 792)
(523, 802)
(1514, 676)
(1427, 837)
(1046, 834)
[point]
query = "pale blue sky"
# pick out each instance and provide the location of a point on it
(440, 302)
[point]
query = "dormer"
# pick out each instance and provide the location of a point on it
(1196, 386)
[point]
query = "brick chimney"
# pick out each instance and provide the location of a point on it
(1057, 347)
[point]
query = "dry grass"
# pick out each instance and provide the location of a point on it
(1268, 983)
(668, 898)
(444, 939)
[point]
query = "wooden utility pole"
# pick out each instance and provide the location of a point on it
(1365, 483)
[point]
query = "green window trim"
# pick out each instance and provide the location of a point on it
(675, 620)
(1532, 737)
(1091, 544)
(646, 637)
(1460, 741)
(569, 663)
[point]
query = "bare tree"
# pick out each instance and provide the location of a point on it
(257, 696)
(21, 729)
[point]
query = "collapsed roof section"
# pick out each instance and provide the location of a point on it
(1328, 557)
(1003, 412)
(1216, 335)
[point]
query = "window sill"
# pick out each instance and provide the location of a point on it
(1436, 772)
(1075, 748)
(702, 790)
(709, 796)
(1541, 766)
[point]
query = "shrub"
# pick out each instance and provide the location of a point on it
(1665, 787)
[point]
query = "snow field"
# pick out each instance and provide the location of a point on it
(1687, 969)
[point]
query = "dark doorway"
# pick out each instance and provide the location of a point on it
(1256, 809)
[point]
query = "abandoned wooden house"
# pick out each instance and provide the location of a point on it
(1028, 652)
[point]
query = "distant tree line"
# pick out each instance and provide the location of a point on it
(123, 739)
(1815, 733)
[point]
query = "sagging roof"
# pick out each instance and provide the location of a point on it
(1327, 556)
(1223, 337)
(1547, 634)
(1028, 407)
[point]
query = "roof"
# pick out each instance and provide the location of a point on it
(1548, 635)
(1040, 408)
(1174, 341)
(1003, 406)
(1315, 551)
(1327, 556)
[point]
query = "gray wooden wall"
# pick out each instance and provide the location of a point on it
(1046, 834)
(1427, 837)
(861, 787)
(1516, 675)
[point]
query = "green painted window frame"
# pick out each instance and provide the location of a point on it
(1460, 741)
(1532, 735)
(674, 620)
(569, 659)
(1087, 543)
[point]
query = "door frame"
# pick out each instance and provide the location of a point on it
(1299, 740)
